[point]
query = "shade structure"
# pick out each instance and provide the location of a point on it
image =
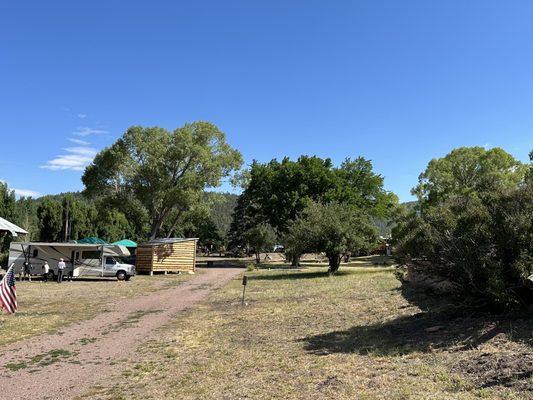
(91, 240)
(14, 230)
(126, 243)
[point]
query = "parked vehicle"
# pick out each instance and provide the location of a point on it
(82, 259)
(279, 248)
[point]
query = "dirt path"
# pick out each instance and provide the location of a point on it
(65, 364)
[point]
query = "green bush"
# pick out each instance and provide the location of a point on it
(483, 246)
(250, 267)
(4, 257)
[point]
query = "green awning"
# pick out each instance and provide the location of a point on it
(126, 243)
(91, 240)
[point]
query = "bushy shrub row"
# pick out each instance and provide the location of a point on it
(479, 242)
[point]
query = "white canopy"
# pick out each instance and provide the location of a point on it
(7, 226)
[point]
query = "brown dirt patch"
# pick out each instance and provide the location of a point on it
(65, 364)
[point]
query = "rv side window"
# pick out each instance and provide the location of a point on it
(35, 253)
(110, 261)
(91, 255)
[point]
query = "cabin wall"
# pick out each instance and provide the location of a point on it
(143, 259)
(167, 257)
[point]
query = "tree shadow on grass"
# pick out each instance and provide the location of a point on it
(289, 275)
(443, 323)
(447, 328)
(421, 332)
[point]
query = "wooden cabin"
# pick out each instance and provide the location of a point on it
(167, 255)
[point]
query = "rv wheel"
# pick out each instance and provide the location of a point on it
(121, 275)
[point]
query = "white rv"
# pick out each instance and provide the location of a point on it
(87, 260)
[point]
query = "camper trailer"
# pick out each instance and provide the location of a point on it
(83, 260)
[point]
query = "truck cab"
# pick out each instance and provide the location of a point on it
(122, 271)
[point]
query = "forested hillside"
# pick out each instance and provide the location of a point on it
(71, 216)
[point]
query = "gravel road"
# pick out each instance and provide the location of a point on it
(65, 364)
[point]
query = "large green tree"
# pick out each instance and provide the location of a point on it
(161, 172)
(7, 201)
(260, 238)
(278, 192)
(50, 214)
(335, 229)
(468, 171)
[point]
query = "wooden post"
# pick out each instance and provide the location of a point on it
(244, 283)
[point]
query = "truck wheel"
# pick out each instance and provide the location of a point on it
(51, 276)
(121, 275)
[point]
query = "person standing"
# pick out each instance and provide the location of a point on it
(28, 270)
(71, 271)
(46, 270)
(25, 271)
(60, 268)
(22, 271)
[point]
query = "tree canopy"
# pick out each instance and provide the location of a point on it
(278, 192)
(160, 173)
(468, 171)
(336, 229)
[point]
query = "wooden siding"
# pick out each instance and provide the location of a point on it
(171, 257)
(143, 259)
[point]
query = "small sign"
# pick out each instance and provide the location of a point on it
(244, 282)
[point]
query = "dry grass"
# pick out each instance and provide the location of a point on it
(304, 335)
(47, 307)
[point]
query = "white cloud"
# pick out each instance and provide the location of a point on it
(76, 160)
(26, 193)
(86, 131)
(79, 141)
(82, 150)
(82, 116)
(22, 192)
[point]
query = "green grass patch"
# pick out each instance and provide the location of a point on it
(307, 335)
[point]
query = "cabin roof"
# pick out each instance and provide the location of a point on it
(156, 242)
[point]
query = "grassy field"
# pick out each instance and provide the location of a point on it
(304, 335)
(46, 307)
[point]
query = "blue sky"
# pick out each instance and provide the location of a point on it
(397, 82)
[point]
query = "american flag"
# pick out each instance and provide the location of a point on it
(8, 292)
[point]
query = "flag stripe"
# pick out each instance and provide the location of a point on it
(8, 297)
(8, 292)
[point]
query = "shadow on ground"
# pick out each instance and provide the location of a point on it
(296, 274)
(447, 328)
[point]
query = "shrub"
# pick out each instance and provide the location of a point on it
(483, 246)
(250, 267)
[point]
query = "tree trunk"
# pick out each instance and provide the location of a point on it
(334, 262)
(171, 231)
(158, 221)
(295, 260)
(156, 226)
(257, 258)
